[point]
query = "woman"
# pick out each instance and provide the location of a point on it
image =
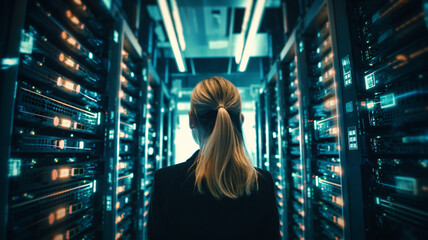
(216, 193)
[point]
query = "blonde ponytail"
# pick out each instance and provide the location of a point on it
(222, 163)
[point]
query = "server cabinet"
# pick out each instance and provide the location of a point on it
(293, 148)
(261, 131)
(56, 148)
(168, 111)
(389, 58)
(361, 70)
(273, 141)
(126, 131)
(320, 126)
(79, 132)
(158, 138)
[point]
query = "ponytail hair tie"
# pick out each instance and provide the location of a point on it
(220, 106)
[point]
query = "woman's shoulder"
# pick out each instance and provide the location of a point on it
(180, 169)
(264, 178)
(263, 173)
(168, 172)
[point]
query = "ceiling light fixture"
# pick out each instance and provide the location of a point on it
(254, 26)
(166, 16)
(240, 41)
(178, 25)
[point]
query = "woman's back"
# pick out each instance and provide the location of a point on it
(217, 193)
(177, 211)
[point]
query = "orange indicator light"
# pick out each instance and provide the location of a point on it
(69, 62)
(120, 189)
(58, 237)
(123, 80)
(339, 201)
(59, 81)
(60, 213)
(75, 20)
(121, 165)
(54, 174)
(118, 235)
(69, 85)
(118, 219)
(66, 123)
(51, 218)
(72, 42)
(60, 144)
(341, 222)
(61, 57)
(64, 172)
(338, 170)
(55, 121)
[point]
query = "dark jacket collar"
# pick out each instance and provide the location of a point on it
(191, 160)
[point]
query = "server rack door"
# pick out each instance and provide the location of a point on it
(323, 170)
(349, 124)
(9, 50)
(262, 132)
(112, 149)
(152, 141)
(129, 204)
(273, 135)
(293, 146)
(390, 59)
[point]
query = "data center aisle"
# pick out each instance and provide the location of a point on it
(338, 112)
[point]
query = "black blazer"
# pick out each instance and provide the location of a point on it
(178, 211)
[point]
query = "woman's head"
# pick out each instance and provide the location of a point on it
(216, 122)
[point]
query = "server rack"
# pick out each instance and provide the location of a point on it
(295, 167)
(361, 70)
(160, 108)
(56, 146)
(126, 131)
(390, 64)
(84, 134)
(321, 127)
(261, 131)
(273, 141)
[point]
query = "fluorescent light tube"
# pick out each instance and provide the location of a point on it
(255, 23)
(240, 42)
(178, 25)
(166, 16)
